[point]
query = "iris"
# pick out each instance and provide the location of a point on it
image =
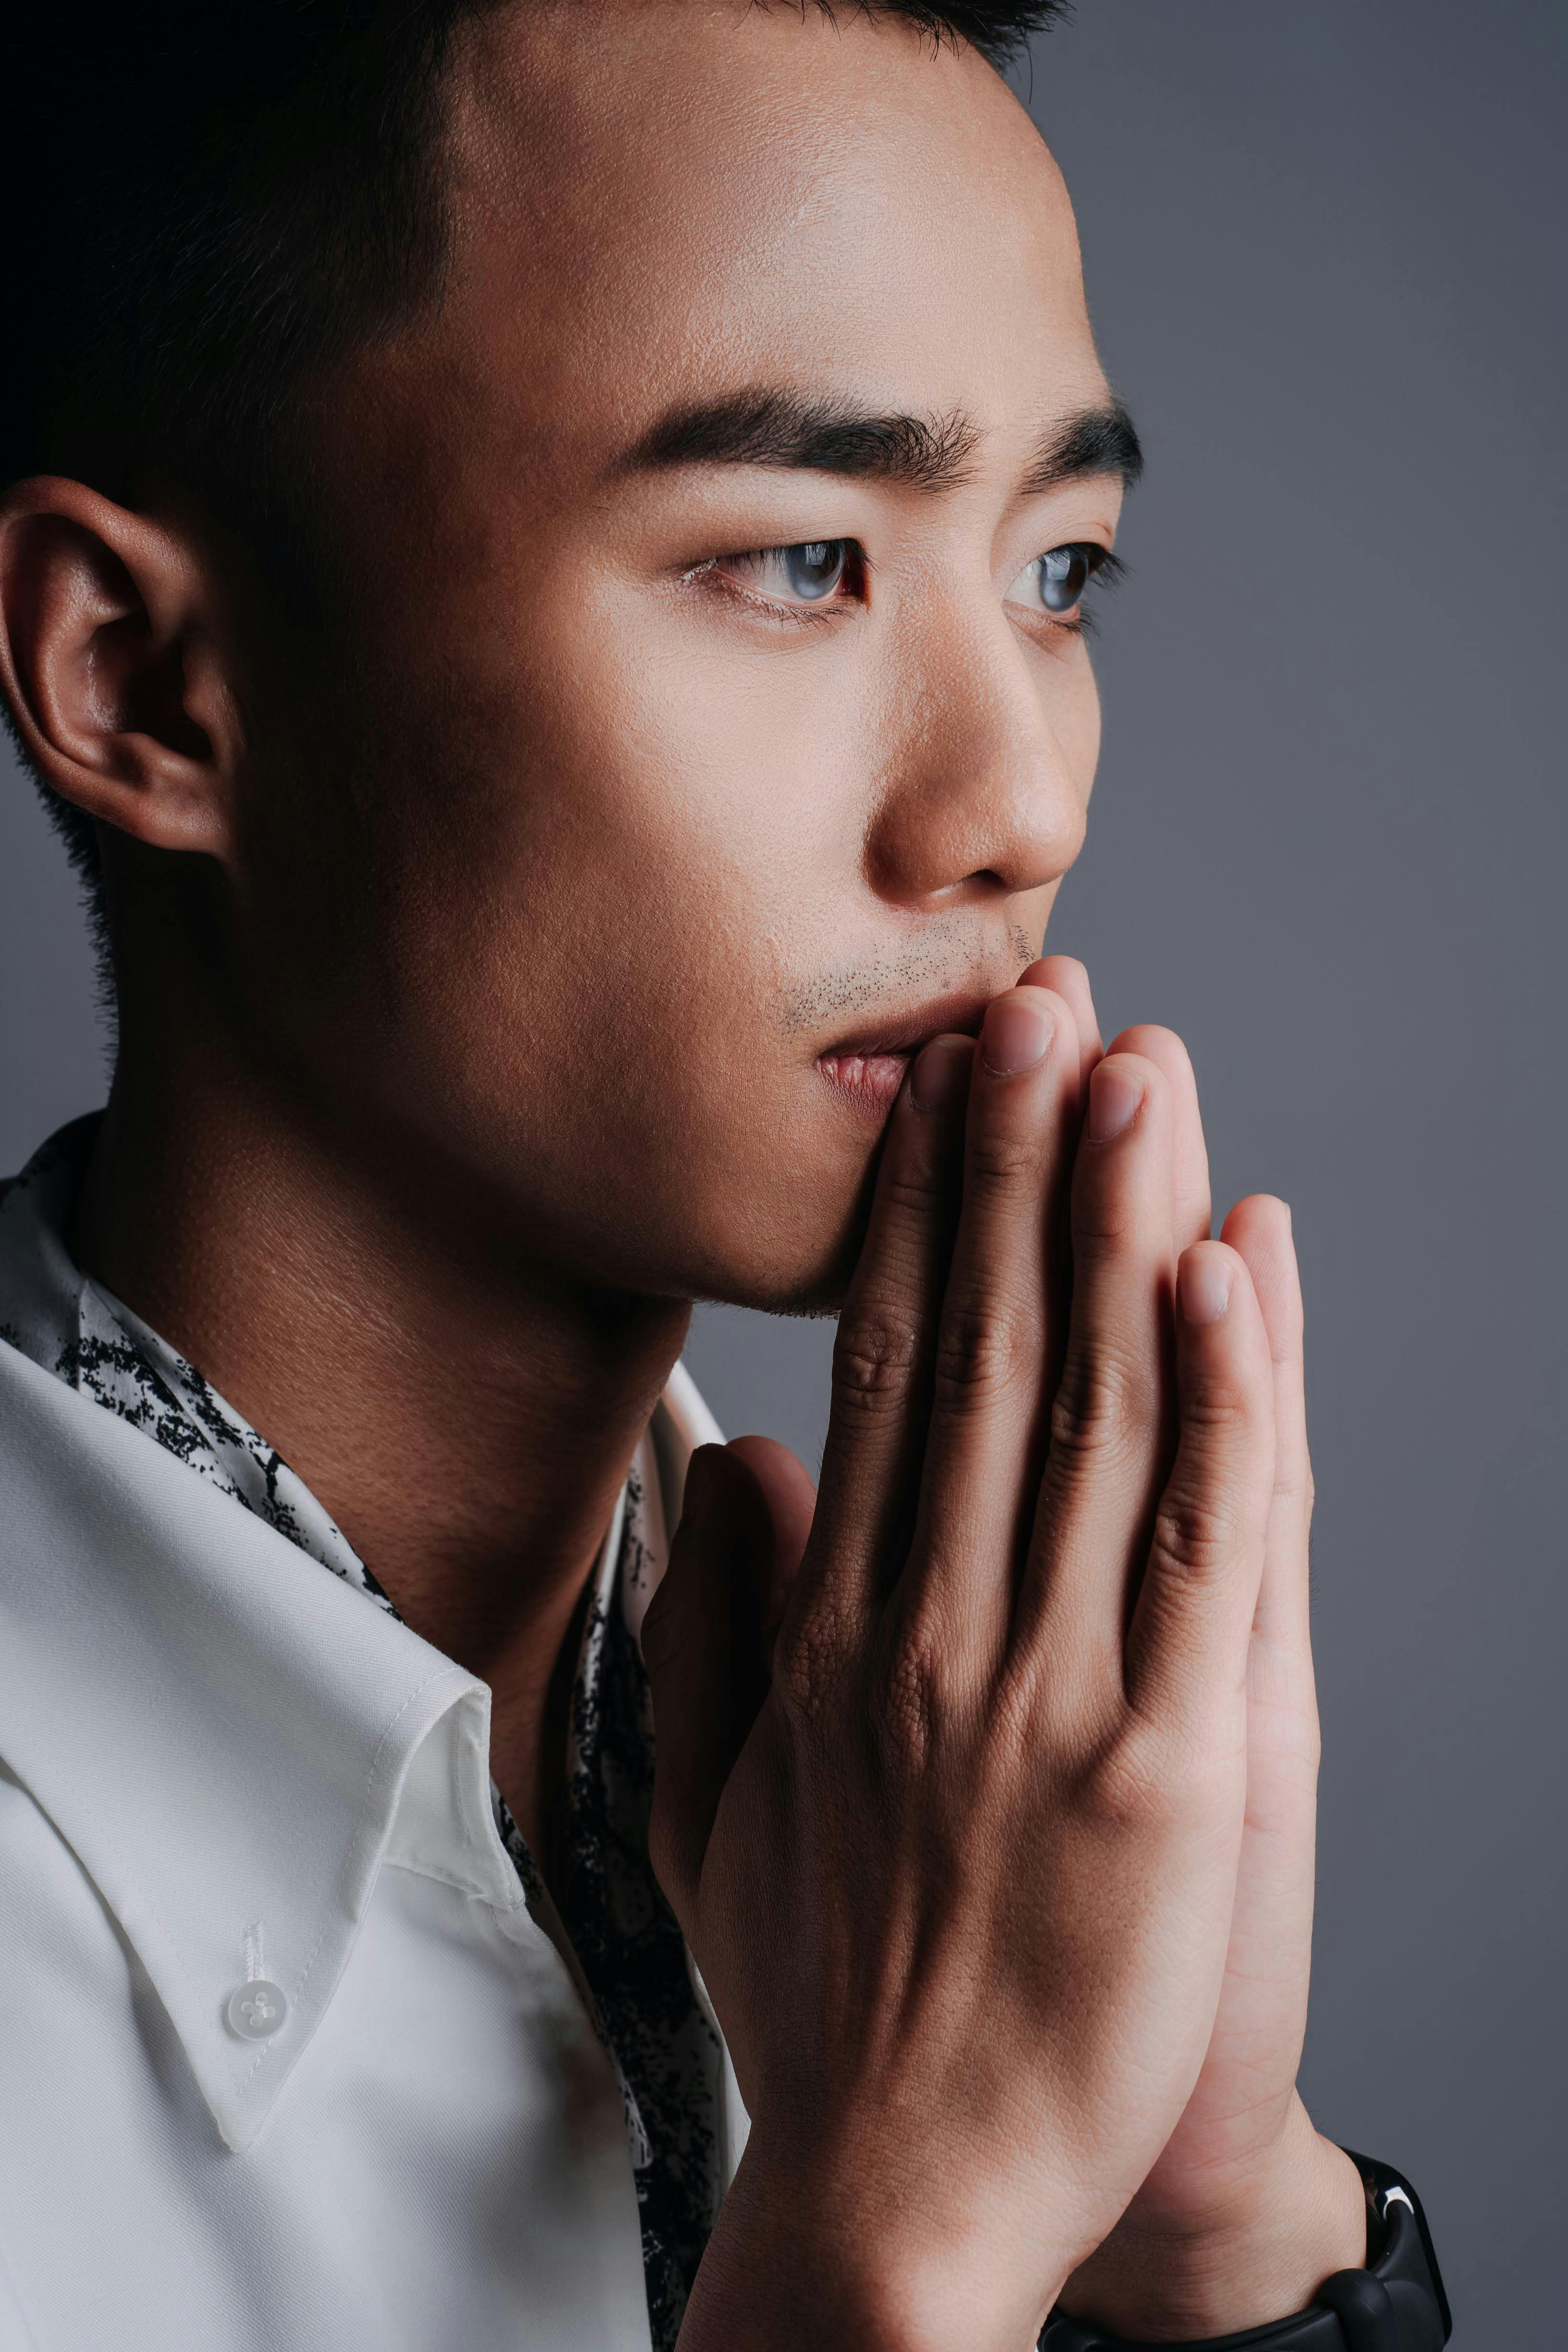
(815, 568)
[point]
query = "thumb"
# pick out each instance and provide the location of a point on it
(702, 1643)
(791, 1500)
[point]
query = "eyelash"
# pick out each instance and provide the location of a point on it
(857, 568)
(1108, 572)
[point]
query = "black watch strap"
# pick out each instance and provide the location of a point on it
(1396, 2304)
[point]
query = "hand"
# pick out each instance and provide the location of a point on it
(1248, 2209)
(960, 1878)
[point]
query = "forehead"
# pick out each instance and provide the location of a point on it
(655, 198)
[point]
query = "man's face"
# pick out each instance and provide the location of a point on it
(648, 855)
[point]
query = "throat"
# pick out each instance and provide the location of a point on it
(466, 1418)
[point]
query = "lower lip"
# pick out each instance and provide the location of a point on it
(870, 1081)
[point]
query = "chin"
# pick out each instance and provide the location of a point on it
(802, 1274)
(772, 1217)
(819, 1296)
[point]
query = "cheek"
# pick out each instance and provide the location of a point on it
(1078, 725)
(600, 879)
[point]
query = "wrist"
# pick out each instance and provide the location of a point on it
(827, 2252)
(1253, 2252)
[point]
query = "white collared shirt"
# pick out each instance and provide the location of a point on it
(221, 1766)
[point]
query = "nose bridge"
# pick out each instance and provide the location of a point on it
(986, 777)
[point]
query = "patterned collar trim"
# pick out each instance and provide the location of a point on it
(55, 1315)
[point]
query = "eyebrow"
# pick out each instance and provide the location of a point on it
(784, 429)
(1096, 441)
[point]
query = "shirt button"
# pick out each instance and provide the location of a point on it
(256, 2009)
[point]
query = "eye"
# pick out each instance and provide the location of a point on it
(1054, 582)
(806, 574)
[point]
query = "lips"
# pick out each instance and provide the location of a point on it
(871, 1081)
(869, 1069)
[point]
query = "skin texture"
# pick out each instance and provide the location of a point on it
(1126, 1698)
(485, 954)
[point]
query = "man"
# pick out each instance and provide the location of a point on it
(545, 572)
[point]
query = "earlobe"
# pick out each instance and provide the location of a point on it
(112, 667)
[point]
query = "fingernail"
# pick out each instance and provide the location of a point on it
(1114, 1095)
(1203, 1286)
(941, 1074)
(1018, 1032)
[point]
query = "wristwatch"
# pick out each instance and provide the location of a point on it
(1396, 2304)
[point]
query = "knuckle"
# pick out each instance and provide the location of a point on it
(1130, 1790)
(1197, 1531)
(1293, 1490)
(916, 1194)
(1101, 1399)
(1147, 1785)
(1217, 1400)
(807, 1662)
(982, 1351)
(1018, 1725)
(876, 1358)
(1000, 1163)
(1105, 1221)
(914, 1695)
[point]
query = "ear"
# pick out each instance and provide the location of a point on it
(111, 663)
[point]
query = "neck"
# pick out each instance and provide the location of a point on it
(466, 1414)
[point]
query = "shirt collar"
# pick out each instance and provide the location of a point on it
(224, 1736)
(227, 1738)
(76, 1330)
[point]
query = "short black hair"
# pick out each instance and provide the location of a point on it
(210, 201)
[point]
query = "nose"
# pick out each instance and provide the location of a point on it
(989, 752)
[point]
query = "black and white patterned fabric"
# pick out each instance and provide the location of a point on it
(629, 1951)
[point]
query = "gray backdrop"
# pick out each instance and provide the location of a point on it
(1324, 254)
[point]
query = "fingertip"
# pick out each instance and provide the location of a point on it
(1060, 1009)
(1155, 1044)
(755, 1450)
(1118, 1087)
(1166, 1051)
(1067, 974)
(1260, 1230)
(704, 1472)
(788, 1493)
(1206, 1283)
(1260, 1212)
(939, 1077)
(1069, 980)
(1018, 1031)
(1051, 970)
(782, 1475)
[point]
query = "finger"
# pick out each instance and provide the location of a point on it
(1188, 1640)
(790, 1500)
(702, 1644)
(1271, 1927)
(1193, 1208)
(1003, 1298)
(1110, 1428)
(882, 1356)
(1067, 978)
(1259, 1229)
